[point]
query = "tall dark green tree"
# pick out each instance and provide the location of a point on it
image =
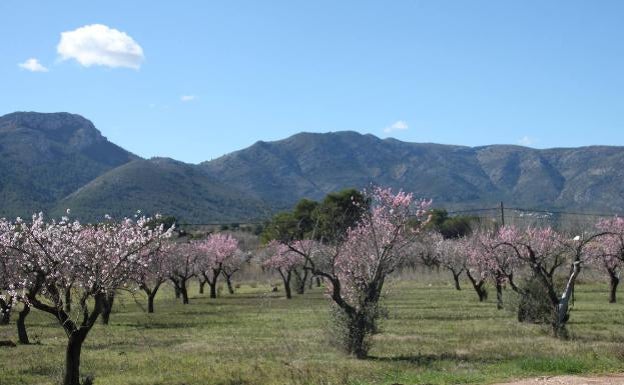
(338, 212)
(450, 227)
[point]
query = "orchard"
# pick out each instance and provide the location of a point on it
(357, 254)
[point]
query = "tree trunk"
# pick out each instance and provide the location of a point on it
(286, 279)
(107, 308)
(176, 290)
(68, 299)
(357, 334)
(300, 286)
(318, 281)
(5, 312)
(499, 295)
(201, 286)
(72, 358)
(300, 281)
(456, 279)
(561, 314)
(22, 334)
(150, 302)
(184, 293)
(615, 281)
(230, 287)
(151, 294)
(478, 286)
(213, 289)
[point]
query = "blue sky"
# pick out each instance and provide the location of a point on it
(196, 79)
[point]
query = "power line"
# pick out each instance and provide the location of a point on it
(453, 212)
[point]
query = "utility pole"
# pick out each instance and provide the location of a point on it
(502, 209)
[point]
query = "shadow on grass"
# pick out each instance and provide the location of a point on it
(429, 359)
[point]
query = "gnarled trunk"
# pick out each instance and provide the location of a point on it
(68, 299)
(213, 289)
(563, 305)
(479, 287)
(499, 295)
(357, 335)
(228, 280)
(72, 357)
(286, 279)
(107, 307)
(179, 285)
(202, 284)
(456, 279)
(184, 293)
(300, 280)
(5, 312)
(151, 294)
(613, 284)
(22, 334)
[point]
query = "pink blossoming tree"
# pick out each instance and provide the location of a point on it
(545, 252)
(281, 258)
(99, 259)
(155, 272)
(356, 268)
(214, 252)
(607, 252)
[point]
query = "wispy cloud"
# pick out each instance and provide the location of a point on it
(33, 65)
(188, 98)
(100, 45)
(526, 141)
(399, 125)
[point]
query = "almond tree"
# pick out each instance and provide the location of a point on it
(99, 258)
(155, 273)
(232, 265)
(424, 250)
(7, 283)
(247, 244)
(182, 266)
(213, 253)
(451, 257)
(356, 268)
(10, 280)
(478, 270)
(544, 252)
(608, 252)
(284, 260)
(499, 264)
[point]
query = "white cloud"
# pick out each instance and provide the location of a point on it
(399, 125)
(97, 44)
(188, 98)
(33, 65)
(526, 141)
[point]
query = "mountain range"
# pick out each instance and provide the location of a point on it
(53, 161)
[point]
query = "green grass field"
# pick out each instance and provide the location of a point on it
(433, 335)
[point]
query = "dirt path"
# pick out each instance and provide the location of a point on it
(571, 380)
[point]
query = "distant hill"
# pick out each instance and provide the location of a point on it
(51, 162)
(44, 157)
(161, 185)
(311, 165)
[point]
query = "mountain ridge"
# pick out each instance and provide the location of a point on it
(53, 161)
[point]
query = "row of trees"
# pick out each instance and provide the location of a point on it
(352, 240)
(45, 263)
(73, 271)
(541, 265)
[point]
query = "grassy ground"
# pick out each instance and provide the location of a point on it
(434, 335)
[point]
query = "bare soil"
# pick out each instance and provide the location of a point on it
(571, 380)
